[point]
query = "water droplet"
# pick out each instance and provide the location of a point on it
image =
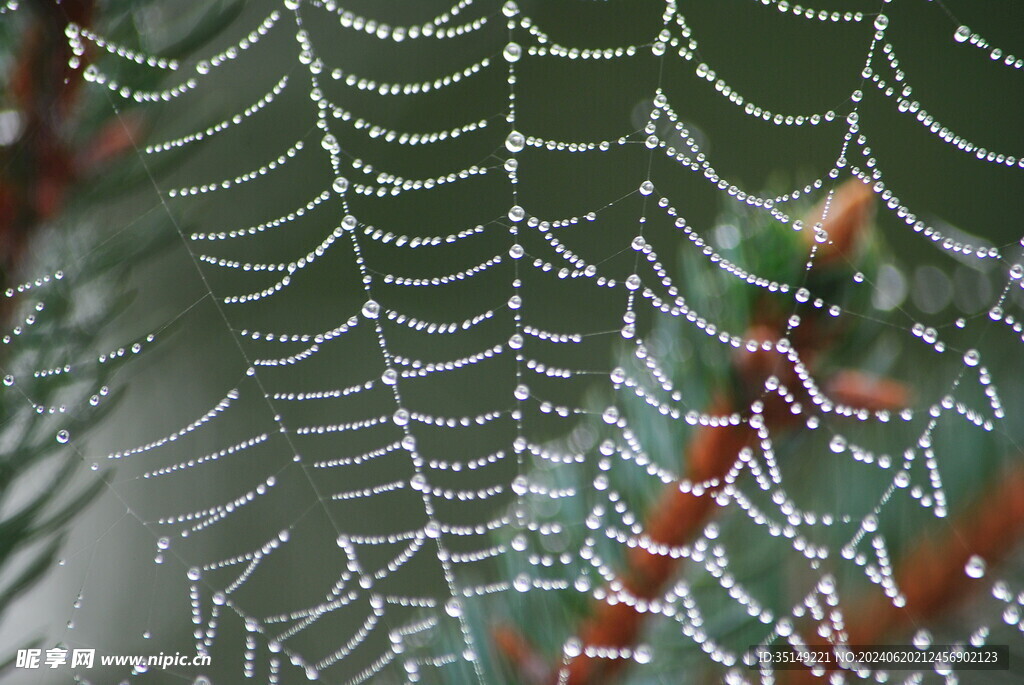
(340, 184)
(219, 598)
(510, 8)
(633, 282)
(881, 22)
(962, 34)
(618, 375)
(512, 52)
(515, 141)
(371, 310)
(971, 357)
(516, 213)
(516, 251)
(522, 582)
(8, 380)
(646, 188)
(63, 436)
(163, 543)
(194, 573)
(975, 567)
(837, 444)
(610, 415)
(642, 654)
(389, 377)
(922, 639)
(453, 607)
(401, 417)
(870, 523)
(521, 392)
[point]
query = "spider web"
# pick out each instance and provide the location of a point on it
(453, 259)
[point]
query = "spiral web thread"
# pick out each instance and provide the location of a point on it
(457, 526)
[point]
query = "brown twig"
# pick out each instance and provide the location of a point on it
(529, 665)
(931, 576)
(677, 516)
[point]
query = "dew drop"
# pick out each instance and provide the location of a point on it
(371, 310)
(453, 607)
(975, 567)
(922, 639)
(870, 523)
(881, 22)
(837, 444)
(512, 52)
(515, 141)
(521, 582)
(63, 436)
(971, 357)
(962, 34)
(340, 184)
